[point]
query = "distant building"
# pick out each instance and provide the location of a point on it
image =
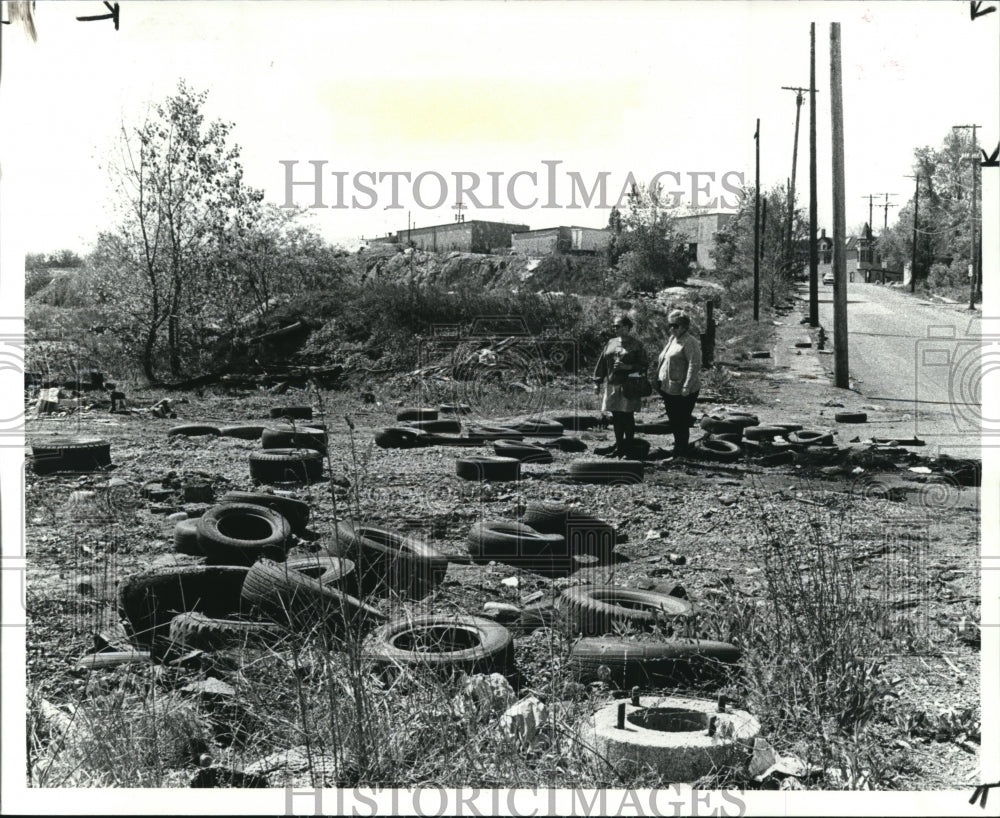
(474, 236)
(861, 258)
(700, 230)
(562, 239)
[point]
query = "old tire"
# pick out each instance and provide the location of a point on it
(728, 437)
(193, 430)
(488, 468)
(196, 631)
(653, 428)
(538, 427)
(577, 423)
(417, 413)
(764, 432)
(614, 472)
(244, 432)
(851, 417)
(809, 437)
(148, 601)
(721, 451)
(70, 454)
(337, 572)
(491, 432)
(399, 437)
(597, 609)
(717, 425)
(447, 426)
(295, 511)
(389, 561)
(584, 534)
(671, 663)
(186, 539)
(294, 412)
(300, 602)
(290, 438)
(443, 644)
(568, 443)
(635, 449)
(241, 533)
(521, 451)
(516, 544)
(286, 466)
(454, 409)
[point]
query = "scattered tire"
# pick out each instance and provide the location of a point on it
(523, 452)
(296, 412)
(597, 609)
(742, 419)
(433, 439)
(186, 539)
(488, 468)
(810, 437)
(454, 409)
(291, 438)
(199, 632)
(614, 472)
(584, 534)
(442, 644)
(538, 427)
(716, 425)
(70, 454)
(194, 430)
(302, 602)
(721, 451)
(851, 417)
(286, 466)
(420, 413)
(820, 455)
(295, 511)
(338, 572)
(387, 560)
(516, 544)
(245, 432)
(675, 662)
(568, 443)
(764, 432)
(490, 432)
(444, 426)
(399, 437)
(729, 437)
(635, 449)
(788, 427)
(577, 423)
(241, 533)
(148, 601)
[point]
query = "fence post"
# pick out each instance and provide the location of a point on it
(708, 337)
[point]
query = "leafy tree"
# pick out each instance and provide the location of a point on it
(195, 251)
(651, 253)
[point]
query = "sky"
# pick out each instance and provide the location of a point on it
(490, 89)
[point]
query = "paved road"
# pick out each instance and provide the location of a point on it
(923, 359)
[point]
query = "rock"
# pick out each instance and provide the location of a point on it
(198, 492)
(677, 559)
(510, 582)
(155, 491)
(524, 721)
(763, 758)
(728, 499)
(177, 516)
(502, 611)
(483, 696)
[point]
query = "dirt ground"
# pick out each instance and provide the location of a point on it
(79, 544)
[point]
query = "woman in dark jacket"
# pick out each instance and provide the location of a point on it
(623, 358)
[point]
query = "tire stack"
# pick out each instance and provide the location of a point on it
(290, 453)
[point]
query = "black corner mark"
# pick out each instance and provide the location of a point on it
(974, 9)
(114, 15)
(981, 794)
(993, 160)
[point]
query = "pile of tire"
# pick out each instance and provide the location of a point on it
(289, 453)
(607, 472)
(582, 532)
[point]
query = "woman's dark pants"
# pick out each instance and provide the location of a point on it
(679, 409)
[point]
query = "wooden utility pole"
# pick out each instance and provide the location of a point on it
(756, 230)
(795, 155)
(916, 214)
(974, 282)
(841, 377)
(885, 214)
(813, 223)
(870, 216)
(763, 228)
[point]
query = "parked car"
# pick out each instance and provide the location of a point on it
(828, 278)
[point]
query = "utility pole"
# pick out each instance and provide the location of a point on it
(756, 230)
(869, 197)
(974, 283)
(841, 378)
(459, 207)
(813, 223)
(886, 206)
(763, 228)
(916, 214)
(799, 92)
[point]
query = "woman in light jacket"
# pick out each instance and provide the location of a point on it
(679, 375)
(623, 356)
